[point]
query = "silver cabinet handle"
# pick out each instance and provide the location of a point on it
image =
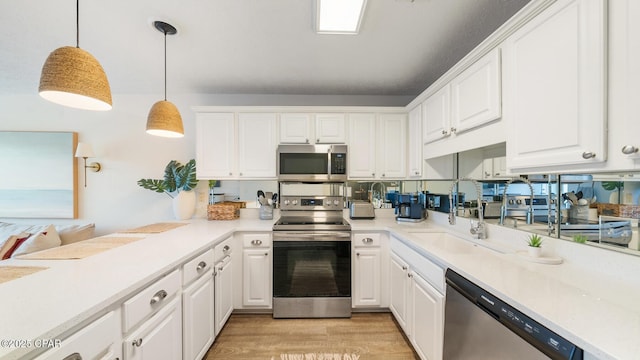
(74, 356)
(404, 268)
(266, 254)
(453, 130)
(629, 149)
(137, 343)
(201, 266)
(317, 140)
(357, 254)
(159, 296)
(226, 248)
(256, 242)
(588, 155)
(409, 275)
(306, 141)
(240, 174)
(444, 132)
(373, 174)
(367, 240)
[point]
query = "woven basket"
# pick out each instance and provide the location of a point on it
(619, 210)
(225, 210)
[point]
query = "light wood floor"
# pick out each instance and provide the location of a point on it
(368, 336)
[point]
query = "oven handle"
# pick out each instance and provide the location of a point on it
(312, 236)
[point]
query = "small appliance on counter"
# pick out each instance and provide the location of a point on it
(411, 207)
(361, 210)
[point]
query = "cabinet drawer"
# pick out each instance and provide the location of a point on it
(150, 299)
(100, 338)
(225, 248)
(196, 267)
(366, 240)
(256, 240)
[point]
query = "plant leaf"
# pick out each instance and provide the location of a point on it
(612, 185)
(186, 177)
(170, 176)
(152, 184)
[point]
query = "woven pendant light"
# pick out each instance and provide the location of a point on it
(73, 77)
(164, 118)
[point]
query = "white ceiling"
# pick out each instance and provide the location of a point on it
(248, 46)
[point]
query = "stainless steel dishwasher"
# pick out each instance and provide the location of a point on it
(480, 326)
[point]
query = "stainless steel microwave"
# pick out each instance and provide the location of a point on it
(313, 163)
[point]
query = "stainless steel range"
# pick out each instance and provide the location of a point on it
(311, 258)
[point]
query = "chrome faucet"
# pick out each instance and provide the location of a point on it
(503, 208)
(382, 188)
(479, 229)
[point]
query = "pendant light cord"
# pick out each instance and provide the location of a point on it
(77, 23)
(165, 65)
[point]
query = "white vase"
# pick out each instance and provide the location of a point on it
(184, 205)
(534, 251)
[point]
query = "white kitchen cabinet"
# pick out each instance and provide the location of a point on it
(367, 270)
(555, 88)
(392, 146)
(476, 94)
(427, 310)
(198, 306)
(414, 154)
(436, 115)
(160, 337)
(236, 146)
(399, 285)
(362, 146)
(215, 145)
(257, 145)
(296, 128)
(99, 340)
(495, 168)
(377, 146)
(223, 291)
(624, 85)
(256, 271)
(330, 128)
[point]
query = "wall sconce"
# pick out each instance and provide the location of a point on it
(85, 151)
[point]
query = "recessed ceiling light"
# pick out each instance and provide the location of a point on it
(339, 16)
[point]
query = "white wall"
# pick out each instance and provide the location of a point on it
(112, 199)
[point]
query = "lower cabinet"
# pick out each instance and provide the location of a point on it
(198, 322)
(223, 293)
(256, 270)
(159, 337)
(98, 340)
(417, 305)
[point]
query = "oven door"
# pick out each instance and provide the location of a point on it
(311, 274)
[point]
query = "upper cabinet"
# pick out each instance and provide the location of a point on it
(308, 128)
(436, 115)
(414, 153)
(555, 89)
(236, 145)
(377, 146)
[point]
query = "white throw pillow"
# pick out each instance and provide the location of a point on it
(38, 241)
(70, 234)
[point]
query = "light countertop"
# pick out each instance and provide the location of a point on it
(70, 293)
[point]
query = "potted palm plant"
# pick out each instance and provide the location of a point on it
(178, 182)
(534, 243)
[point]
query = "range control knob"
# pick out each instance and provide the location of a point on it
(519, 201)
(511, 201)
(294, 202)
(336, 202)
(286, 202)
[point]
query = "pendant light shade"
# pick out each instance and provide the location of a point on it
(164, 118)
(73, 77)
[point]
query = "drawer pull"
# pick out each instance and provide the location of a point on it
(404, 268)
(629, 149)
(201, 266)
(137, 343)
(367, 240)
(357, 254)
(256, 242)
(588, 155)
(74, 356)
(159, 296)
(226, 248)
(266, 254)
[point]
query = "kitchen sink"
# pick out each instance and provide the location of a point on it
(443, 241)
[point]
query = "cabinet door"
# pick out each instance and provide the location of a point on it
(223, 293)
(367, 277)
(415, 142)
(215, 145)
(159, 337)
(295, 128)
(256, 277)
(392, 146)
(555, 88)
(476, 94)
(398, 284)
(362, 146)
(436, 115)
(198, 317)
(257, 145)
(330, 128)
(427, 307)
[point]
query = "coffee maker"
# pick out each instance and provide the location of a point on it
(411, 207)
